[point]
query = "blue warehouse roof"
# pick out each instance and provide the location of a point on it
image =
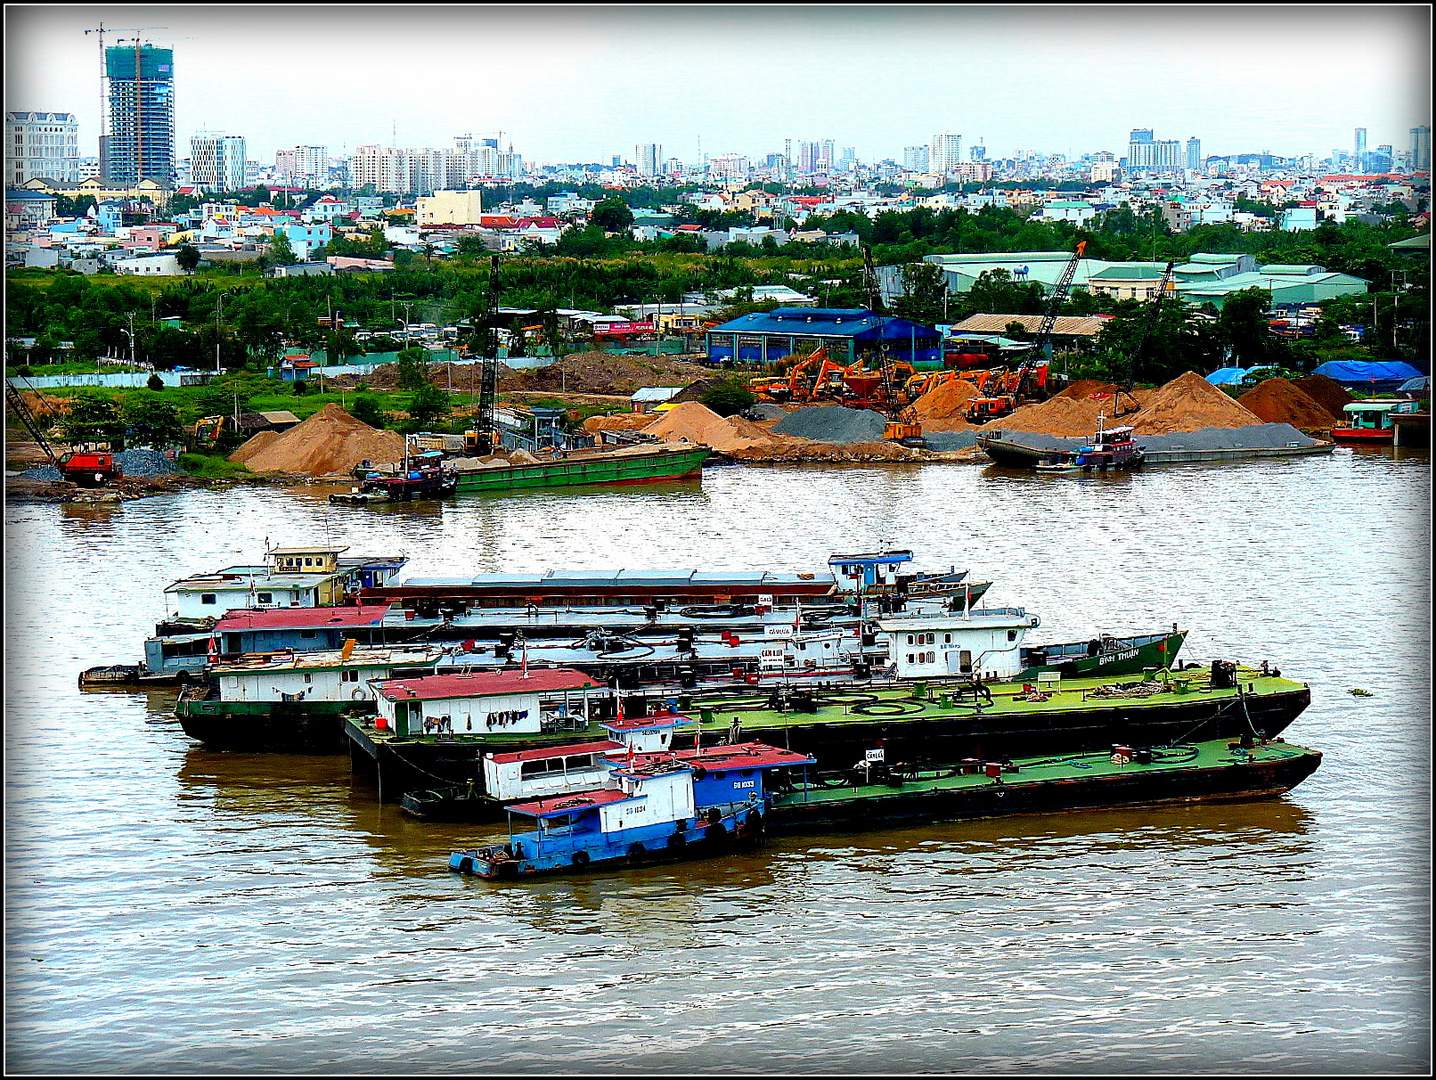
(856, 323)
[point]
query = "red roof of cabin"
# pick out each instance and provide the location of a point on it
(486, 684)
(601, 747)
(302, 618)
(752, 755)
(563, 804)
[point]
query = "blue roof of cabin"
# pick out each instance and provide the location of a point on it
(857, 323)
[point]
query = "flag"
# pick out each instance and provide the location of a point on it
(524, 664)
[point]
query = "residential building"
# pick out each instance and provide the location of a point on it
(449, 208)
(1359, 155)
(217, 162)
(647, 156)
(944, 152)
(141, 142)
(915, 158)
(309, 164)
(1194, 153)
(41, 144)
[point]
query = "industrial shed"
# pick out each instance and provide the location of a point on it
(848, 334)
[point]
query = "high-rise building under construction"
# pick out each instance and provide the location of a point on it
(141, 142)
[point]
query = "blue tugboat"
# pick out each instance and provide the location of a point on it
(656, 806)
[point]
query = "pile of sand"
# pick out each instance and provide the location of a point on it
(1278, 401)
(329, 443)
(1070, 417)
(629, 421)
(695, 423)
(1189, 403)
(947, 401)
(1328, 393)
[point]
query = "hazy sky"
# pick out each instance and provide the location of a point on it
(582, 83)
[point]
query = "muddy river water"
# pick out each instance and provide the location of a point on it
(170, 909)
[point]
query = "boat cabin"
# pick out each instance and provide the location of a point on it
(322, 559)
(346, 675)
(207, 596)
(869, 572)
(299, 629)
(816, 650)
(1372, 418)
(511, 702)
(1112, 438)
(983, 644)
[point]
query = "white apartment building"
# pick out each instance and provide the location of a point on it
(647, 157)
(309, 163)
(41, 144)
(944, 152)
(217, 162)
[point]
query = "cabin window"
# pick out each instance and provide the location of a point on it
(541, 767)
(1012, 635)
(947, 639)
(266, 598)
(307, 633)
(349, 676)
(964, 661)
(909, 639)
(308, 562)
(206, 598)
(308, 679)
(747, 772)
(909, 658)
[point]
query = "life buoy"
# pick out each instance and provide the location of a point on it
(580, 858)
(358, 695)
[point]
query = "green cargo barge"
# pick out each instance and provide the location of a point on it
(610, 467)
(1122, 776)
(940, 723)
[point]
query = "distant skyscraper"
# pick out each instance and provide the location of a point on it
(977, 153)
(216, 162)
(1146, 153)
(1140, 135)
(647, 157)
(914, 158)
(1421, 148)
(1194, 153)
(303, 163)
(1359, 157)
(141, 143)
(41, 144)
(944, 152)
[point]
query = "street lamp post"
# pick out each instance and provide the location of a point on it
(218, 312)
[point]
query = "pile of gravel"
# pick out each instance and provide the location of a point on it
(1255, 437)
(146, 463)
(136, 463)
(833, 424)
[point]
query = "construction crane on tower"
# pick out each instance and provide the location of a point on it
(100, 31)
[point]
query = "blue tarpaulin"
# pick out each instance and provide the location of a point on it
(1358, 374)
(1227, 376)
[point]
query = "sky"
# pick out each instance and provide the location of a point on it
(583, 83)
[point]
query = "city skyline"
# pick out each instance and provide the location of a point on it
(586, 83)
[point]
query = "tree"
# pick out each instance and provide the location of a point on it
(413, 371)
(924, 298)
(366, 409)
(154, 382)
(281, 252)
(149, 421)
(188, 258)
(611, 215)
(429, 405)
(728, 397)
(92, 420)
(1245, 327)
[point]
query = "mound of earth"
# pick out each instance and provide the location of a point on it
(695, 423)
(329, 443)
(1189, 403)
(1068, 416)
(605, 373)
(945, 402)
(629, 421)
(1278, 401)
(1326, 392)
